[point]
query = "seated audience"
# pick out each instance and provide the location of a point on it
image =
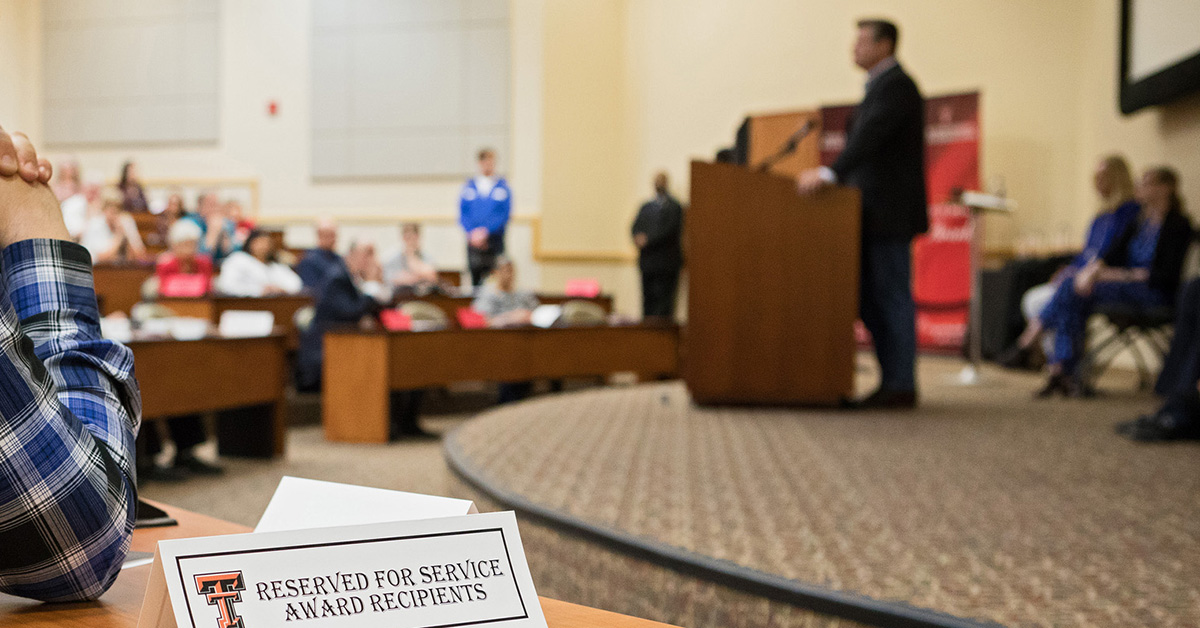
(72, 197)
(132, 193)
(1114, 184)
(173, 211)
(1141, 268)
(505, 306)
(411, 269)
(254, 272)
(319, 262)
(242, 226)
(353, 293)
(182, 258)
(112, 235)
(1179, 416)
(500, 300)
(67, 180)
(70, 407)
(218, 238)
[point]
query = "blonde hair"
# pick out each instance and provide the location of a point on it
(1122, 182)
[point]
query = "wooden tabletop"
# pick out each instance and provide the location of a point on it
(120, 606)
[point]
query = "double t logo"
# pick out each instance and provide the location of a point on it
(222, 590)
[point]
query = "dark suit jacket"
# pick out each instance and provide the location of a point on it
(661, 220)
(1174, 238)
(339, 304)
(884, 158)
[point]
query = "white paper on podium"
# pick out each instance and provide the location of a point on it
(300, 503)
(456, 571)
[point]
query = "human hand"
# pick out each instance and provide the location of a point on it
(1085, 279)
(478, 237)
(28, 208)
(810, 181)
(17, 156)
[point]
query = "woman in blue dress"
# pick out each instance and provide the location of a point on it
(1141, 268)
(1114, 185)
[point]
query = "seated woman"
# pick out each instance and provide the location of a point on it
(1114, 184)
(182, 259)
(411, 269)
(112, 235)
(505, 306)
(1141, 268)
(253, 272)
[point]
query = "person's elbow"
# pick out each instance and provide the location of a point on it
(89, 567)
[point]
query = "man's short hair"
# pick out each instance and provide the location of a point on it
(484, 153)
(882, 29)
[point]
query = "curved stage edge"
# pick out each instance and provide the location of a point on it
(724, 573)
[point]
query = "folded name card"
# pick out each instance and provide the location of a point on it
(455, 571)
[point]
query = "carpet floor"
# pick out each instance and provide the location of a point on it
(982, 504)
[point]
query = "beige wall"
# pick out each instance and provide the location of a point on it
(1169, 134)
(608, 91)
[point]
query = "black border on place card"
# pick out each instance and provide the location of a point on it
(503, 541)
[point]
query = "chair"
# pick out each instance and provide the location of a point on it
(580, 313)
(1133, 325)
(425, 315)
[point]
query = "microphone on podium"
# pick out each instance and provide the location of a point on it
(789, 147)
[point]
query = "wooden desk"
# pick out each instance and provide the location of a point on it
(451, 305)
(198, 376)
(121, 605)
(362, 367)
(211, 308)
(119, 286)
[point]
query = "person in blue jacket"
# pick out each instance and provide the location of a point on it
(485, 205)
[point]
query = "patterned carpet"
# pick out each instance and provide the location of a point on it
(983, 504)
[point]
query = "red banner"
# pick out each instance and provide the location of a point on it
(941, 257)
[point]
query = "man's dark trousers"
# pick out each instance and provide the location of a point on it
(658, 293)
(887, 309)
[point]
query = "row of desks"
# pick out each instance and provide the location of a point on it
(361, 368)
(122, 604)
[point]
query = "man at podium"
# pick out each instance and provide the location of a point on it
(884, 158)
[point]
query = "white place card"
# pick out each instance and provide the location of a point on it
(432, 573)
(246, 323)
(300, 503)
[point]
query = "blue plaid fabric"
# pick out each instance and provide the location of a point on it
(69, 412)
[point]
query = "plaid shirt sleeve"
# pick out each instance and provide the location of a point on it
(69, 412)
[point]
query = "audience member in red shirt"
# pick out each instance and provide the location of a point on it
(181, 259)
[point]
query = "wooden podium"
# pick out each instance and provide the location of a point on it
(773, 289)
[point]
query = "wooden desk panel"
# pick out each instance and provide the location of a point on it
(121, 605)
(198, 376)
(361, 368)
(119, 286)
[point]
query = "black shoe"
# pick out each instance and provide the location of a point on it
(168, 475)
(886, 400)
(1125, 428)
(1015, 357)
(1055, 384)
(413, 431)
(197, 466)
(1161, 427)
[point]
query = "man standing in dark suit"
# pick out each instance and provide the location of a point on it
(884, 158)
(657, 232)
